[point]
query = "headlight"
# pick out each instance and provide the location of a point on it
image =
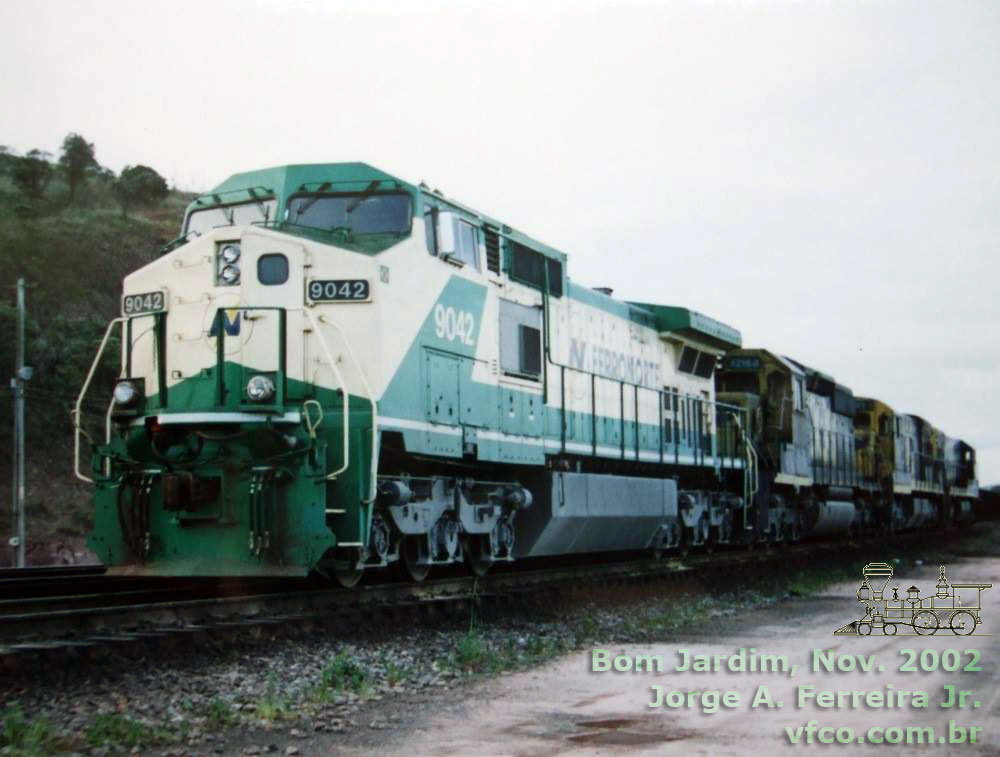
(260, 389)
(125, 393)
(230, 253)
(230, 274)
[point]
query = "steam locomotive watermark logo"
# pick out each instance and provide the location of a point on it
(953, 607)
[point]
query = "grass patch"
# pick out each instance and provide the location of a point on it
(396, 674)
(588, 630)
(807, 583)
(686, 613)
(116, 730)
(220, 713)
(540, 649)
(21, 735)
(273, 705)
(475, 654)
(343, 674)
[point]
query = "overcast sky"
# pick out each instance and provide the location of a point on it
(822, 176)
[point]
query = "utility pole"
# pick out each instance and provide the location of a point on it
(21, 376)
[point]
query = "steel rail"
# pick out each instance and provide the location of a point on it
(65, 627)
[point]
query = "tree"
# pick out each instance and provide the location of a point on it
(32, 173)
(104, 175)
(139, 185)
(77, 158)
(7, 159)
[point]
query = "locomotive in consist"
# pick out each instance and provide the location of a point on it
(834, 463)
(334, 370)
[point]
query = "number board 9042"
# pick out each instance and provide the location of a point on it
(142, 304)
(339, 290)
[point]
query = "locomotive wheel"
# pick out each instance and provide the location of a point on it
(864, 629)
(962, 623)
(889, 629)
(410, 550)
(476, 551)
(925, 623)
(348, 577)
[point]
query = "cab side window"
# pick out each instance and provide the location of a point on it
(452, 238)
(467, 243)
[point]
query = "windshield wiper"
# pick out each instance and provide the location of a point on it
(261, 207)
(310, 201)
(362, 197)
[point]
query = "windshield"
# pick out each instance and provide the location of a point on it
(231, 215)
(740, 382)
(353, 214)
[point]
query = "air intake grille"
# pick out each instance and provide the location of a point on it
(492, 249)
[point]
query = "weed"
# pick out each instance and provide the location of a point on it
(20, 735)
(396, 674)
(272, 705)
(343, 673)
(806, 583)
(220, 713)
(540, 648)
(114, 729)
(688, 611)
(587, 629)
(472, 653)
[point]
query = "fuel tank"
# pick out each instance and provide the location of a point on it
(831, 517)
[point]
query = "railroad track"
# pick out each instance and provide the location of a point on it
(50, 571)
(89, 623)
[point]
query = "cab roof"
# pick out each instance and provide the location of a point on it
(282, 182)
(691, 324)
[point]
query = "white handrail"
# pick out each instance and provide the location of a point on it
(752, 483)
(343, 389)
(371, 401)
(77, 410)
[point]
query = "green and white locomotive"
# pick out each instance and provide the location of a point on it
(334, 370)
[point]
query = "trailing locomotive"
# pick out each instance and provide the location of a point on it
(834, 463)
(334, 370)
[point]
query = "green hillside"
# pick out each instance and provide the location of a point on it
(73, 255)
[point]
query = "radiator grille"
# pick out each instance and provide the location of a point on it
(492, 249)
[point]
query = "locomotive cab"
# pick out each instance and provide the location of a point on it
(772, 389)
(874, 457)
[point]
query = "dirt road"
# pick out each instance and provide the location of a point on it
(565, 708)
